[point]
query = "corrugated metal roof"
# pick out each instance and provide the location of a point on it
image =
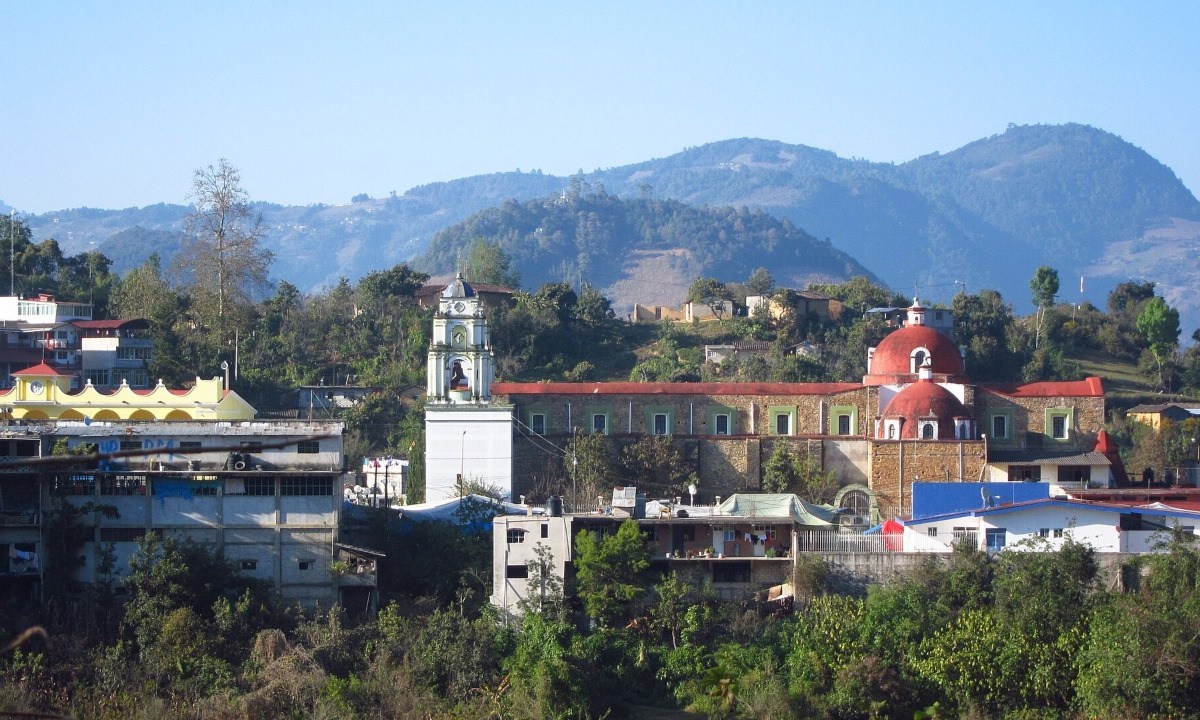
(1043, 457)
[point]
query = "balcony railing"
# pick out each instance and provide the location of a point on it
(22, 518)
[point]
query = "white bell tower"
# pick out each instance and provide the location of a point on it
(461, 363)
(468, 436)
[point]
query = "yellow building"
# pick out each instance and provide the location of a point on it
(1154, 415)
(43, 393)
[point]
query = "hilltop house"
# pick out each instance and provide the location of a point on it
(1153, 415)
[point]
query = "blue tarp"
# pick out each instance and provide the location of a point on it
(940, 498)
(166, 487)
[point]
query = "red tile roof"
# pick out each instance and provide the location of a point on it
(667, 388)
(40, 369)
(109, 324)
(1090, 387)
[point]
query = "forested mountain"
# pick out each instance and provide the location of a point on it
(1070, 196)
(640, 250)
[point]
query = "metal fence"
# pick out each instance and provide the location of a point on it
(820, 541)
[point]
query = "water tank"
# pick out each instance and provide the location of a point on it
(554, 506)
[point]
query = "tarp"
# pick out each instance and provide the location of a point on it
(473, 512)
(777, 505)
(454, 509)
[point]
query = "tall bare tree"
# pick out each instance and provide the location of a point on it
(224, 262)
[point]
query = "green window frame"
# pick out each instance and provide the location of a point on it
(532, 424)
(1008, 431)
(652, 413)
(777, 411)
(1059, 414)
(605, 415)
(717, 411)
(839, 411)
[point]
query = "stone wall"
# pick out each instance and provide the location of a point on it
(733, 463)
(725, 464)
(1028, 418)
(692, 414)
(897, 464)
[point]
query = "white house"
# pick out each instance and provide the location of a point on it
(1049, 523)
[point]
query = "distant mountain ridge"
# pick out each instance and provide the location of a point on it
(641, 250)
(985, 215)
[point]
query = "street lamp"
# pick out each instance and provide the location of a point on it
(462, 465)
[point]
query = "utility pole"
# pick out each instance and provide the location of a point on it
(12, 252)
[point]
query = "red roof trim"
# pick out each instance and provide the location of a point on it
(1090, 387)
(659, 388)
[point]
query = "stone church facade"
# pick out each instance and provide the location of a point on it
(915, 416)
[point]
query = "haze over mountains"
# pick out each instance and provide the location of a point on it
(986, 215)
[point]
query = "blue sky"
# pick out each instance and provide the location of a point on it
(115, 104)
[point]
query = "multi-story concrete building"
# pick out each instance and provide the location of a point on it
(115, 352)
(746, 543)
(63, 335)
(267, 494)
(272, 510)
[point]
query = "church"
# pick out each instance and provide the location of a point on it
(915, 416)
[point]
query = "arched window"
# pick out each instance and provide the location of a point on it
(927, 431)
(891, 431)
(856, 502)
(918, 359)
(458, 374)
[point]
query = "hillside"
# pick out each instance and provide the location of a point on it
(985, 215)
(645, 251)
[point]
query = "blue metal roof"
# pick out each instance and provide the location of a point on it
(1055, 502)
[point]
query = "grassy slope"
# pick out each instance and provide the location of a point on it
(1124, 386)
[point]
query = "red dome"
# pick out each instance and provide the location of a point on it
(894, 355)
(923, 401)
